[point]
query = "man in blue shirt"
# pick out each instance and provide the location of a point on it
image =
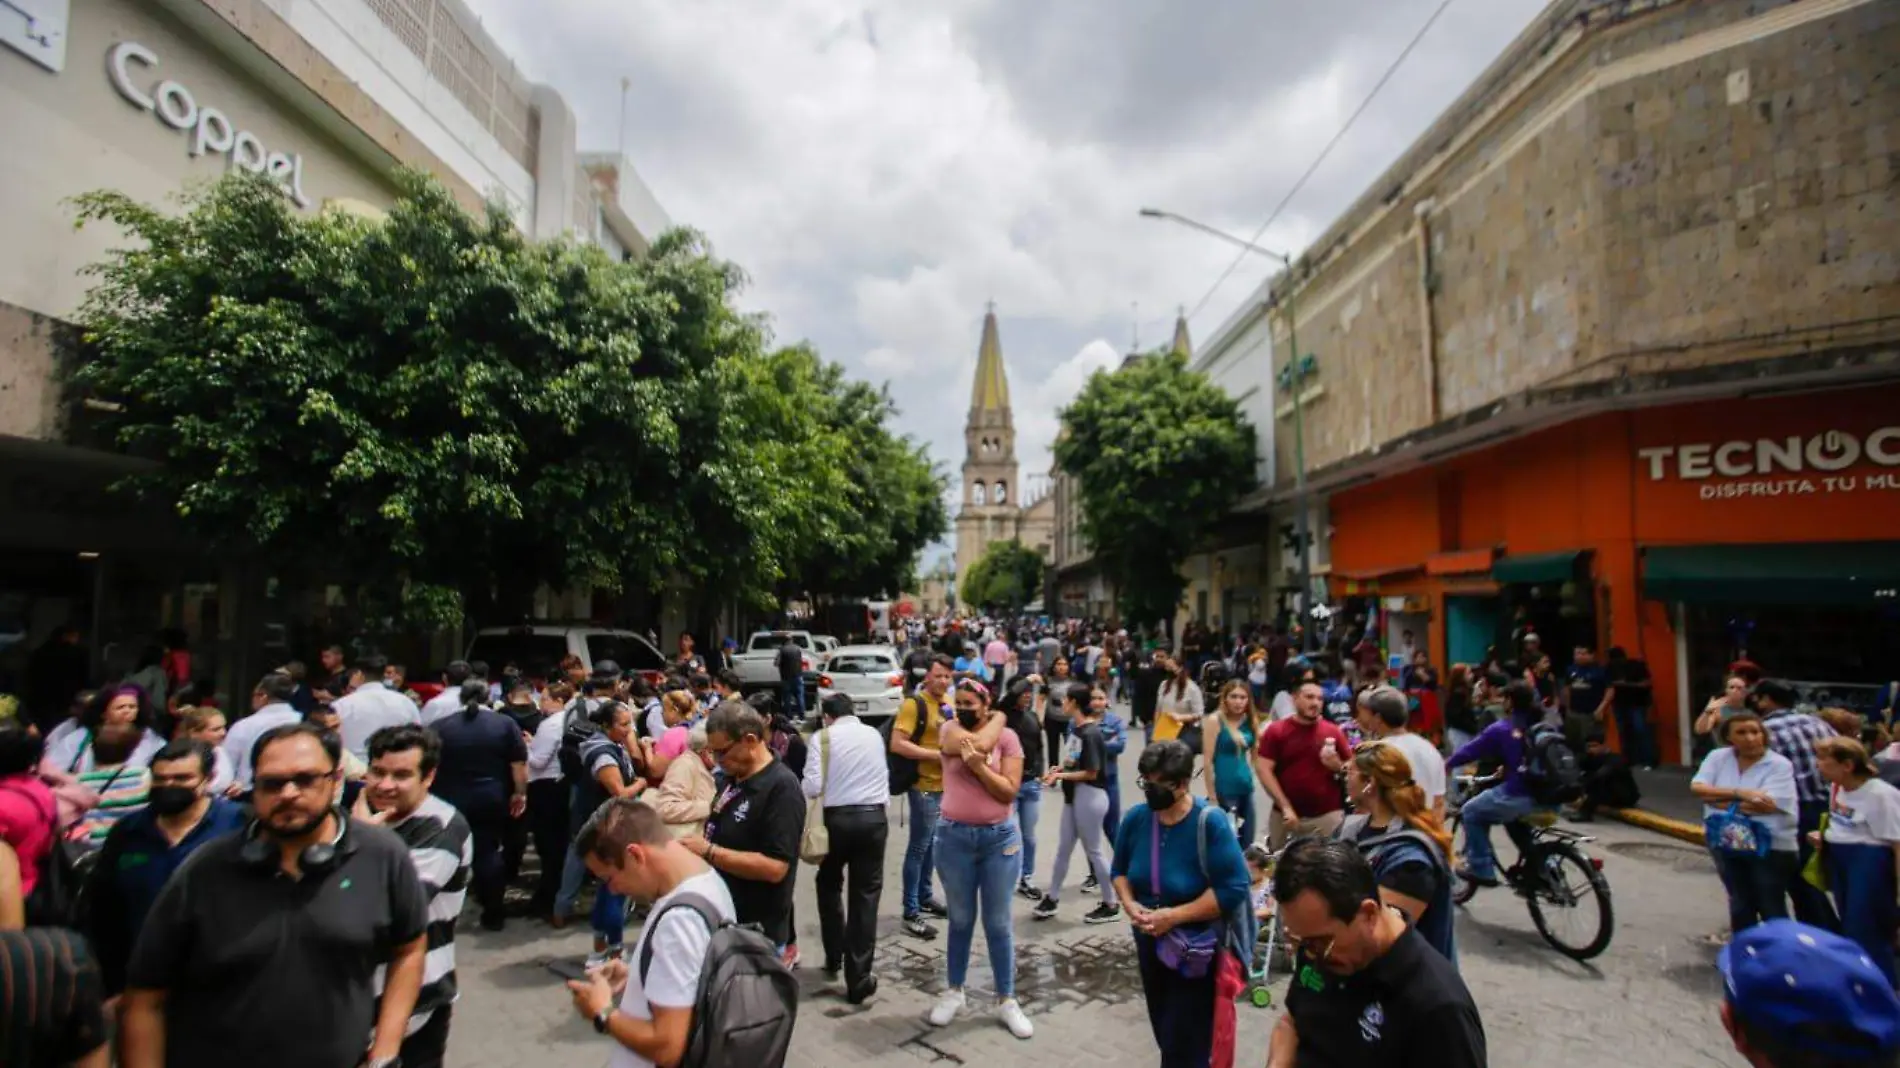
(144, 848)
(1509, 801)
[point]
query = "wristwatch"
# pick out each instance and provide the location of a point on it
(601, 1018)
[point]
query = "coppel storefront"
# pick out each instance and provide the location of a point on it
(1687, 534)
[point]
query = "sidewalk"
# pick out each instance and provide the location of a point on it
(1667, 805)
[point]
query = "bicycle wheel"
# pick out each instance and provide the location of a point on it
(1462, 890)
(1571, 901)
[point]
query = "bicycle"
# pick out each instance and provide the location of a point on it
(1557, 879)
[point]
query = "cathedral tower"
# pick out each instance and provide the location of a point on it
(989, 511)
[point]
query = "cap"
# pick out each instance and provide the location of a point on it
(1811, 989)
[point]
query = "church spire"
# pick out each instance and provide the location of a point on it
(991, 392)
(1182, 345)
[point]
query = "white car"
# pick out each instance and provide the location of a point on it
(545, 644)
(871, 675)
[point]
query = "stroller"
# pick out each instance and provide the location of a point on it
(1270, 946)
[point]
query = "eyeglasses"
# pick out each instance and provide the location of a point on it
(1319, 949)
(303, 781)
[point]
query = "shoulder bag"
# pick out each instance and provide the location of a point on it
(1188, 949)
(1733, 834)
(815, 843)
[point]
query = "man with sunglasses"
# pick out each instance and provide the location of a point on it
(1367, 989)
(264, 948)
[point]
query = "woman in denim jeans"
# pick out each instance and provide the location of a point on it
(979, 853)
(1019, 716)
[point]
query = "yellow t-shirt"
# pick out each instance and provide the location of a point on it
(929, 772)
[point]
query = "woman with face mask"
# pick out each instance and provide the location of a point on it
(979, 852)
(1403, 839)
(1083, 773)
(1165, 887)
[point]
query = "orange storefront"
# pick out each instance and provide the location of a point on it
(1679, 533)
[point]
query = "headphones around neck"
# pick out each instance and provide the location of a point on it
(318, 858)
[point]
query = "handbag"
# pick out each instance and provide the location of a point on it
(815, 843)
(1732, 834)
(1814, 872)
(1187, 950)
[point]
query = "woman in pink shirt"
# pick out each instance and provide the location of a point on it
(980, 851)
(28, 815)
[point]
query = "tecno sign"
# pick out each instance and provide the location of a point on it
(1783, 465)
(209, 130)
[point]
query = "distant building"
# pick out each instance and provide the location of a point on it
(994, 507)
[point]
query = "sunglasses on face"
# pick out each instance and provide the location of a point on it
(304, 782)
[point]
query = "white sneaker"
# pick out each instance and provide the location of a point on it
(1011, 1013)
(945, 1010)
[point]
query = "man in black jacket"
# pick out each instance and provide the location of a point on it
(791, 679)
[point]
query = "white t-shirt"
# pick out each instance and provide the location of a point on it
(1867, 816)
(679, 953)
(1428, 764)
(1282, 707)
(1773, 775)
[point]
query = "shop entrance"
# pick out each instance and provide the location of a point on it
(1471, 628)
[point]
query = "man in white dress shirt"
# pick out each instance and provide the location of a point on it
(370, 707)
(845, 763)
(449, 701)
(270, 708)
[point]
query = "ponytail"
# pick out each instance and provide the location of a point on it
(1384, 765)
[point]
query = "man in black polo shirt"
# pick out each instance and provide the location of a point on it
(757, 820)
(1367, 990)
(262, 949)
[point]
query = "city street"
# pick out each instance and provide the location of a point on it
(1650, 1000)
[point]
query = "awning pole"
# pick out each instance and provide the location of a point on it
(1683, 714)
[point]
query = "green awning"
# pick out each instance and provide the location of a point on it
(1848, 572)
(1537, 567)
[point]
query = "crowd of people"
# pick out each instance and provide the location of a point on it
(355, 820)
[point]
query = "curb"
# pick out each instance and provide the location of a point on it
(1649, 821)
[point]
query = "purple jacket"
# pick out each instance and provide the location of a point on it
(1503, 742)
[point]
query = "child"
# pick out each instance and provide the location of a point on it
(1260, 873)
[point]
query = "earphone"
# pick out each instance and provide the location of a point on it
(318, 858)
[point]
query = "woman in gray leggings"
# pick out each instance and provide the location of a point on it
(1083, 772)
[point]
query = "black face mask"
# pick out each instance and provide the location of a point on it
(969, 721)
(1159, 797)
(171, 800)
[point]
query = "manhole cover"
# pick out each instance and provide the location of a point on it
(1682, 858)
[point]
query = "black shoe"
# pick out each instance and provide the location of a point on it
(1465, 874)
(1089, 885)
(1103, 913)
(1027, 891)
(915, 925)
(933, 908)
(863, 992)
(1045, 909)
(494, 923)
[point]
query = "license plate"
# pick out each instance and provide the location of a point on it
(860, 706)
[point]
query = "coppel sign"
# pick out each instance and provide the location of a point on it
(208, 130)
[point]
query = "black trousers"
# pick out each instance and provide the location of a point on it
(487, 822)
(849, 922)
(427, 1047)
(1180, 1010)
(547, 821)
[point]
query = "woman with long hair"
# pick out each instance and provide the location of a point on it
(1179, 710)
(1055, 719)
(484, 774)
(1228, 737)
(114, 706)
(1019, 715)
(1862, 846)
(1404, 840)
(1082, 772)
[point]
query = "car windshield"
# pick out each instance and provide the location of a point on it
(860, 664)
(631, 653)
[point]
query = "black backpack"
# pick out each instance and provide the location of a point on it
(1552, 769)
(747, 1002)
(57, 899)
(578, 729)
(903, 770)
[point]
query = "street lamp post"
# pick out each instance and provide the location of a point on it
(1290, 377)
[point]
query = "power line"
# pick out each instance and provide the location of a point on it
(1321, 158)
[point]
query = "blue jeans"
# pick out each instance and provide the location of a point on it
(1862, 878)
(1482, 813)
(791, 698)
(1028, 808)
(981, 866)
(1757, 886)
(919, 854)
(1639, 747)
(573, 869)
(1239, 807)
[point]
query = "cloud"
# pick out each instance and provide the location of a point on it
(882, 168)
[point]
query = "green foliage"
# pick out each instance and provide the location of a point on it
(1008, 577)
(430, 403)
(1159, 455)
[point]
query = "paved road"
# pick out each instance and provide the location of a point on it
(1650, 1000)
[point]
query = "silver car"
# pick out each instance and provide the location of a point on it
(870, 675)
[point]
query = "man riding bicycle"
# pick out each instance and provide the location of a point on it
(1508, 743)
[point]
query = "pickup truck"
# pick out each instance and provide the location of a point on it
(757, 663)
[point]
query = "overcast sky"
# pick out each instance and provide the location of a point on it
(883, 168)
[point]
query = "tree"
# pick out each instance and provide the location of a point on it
(1158, 455)
(446, 413)
(1007, 577)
